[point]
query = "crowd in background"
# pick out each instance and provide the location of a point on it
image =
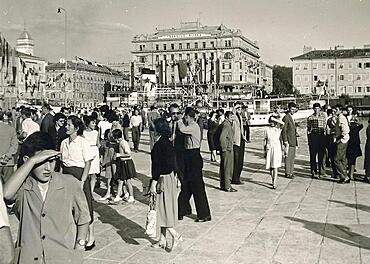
(68, 153)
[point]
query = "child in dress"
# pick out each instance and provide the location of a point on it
(125, 167)
(272, 146)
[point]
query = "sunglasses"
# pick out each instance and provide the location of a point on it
(175, 113)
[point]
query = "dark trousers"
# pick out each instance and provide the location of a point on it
(247, 132)
(6, 172)
(77, 173)
(193, 185)
(340, 160)
(226, 169)
(135, 137)
(317, 143)
(238, 161)
(331, 154)
(125, 133)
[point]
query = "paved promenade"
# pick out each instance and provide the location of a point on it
(302, 221)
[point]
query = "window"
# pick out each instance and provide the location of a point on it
(228, 56)
(306, 78)
(331, 77)
(180, 46)
(350, 65)
(172, 46)
(164, 47)
(341, 77)
(359, 65)
(188, 56)
(156, 46)
(367, 65)
(358, 77)
(180, 56)
(331, 66)
(227, 43)
(240, 77)
(298, 78)
(241, 65)
(195, 56)
(212, 55)
(164, 57)
(315, 78)
(196, 45)
(368, 89)
(203, 45)
(188, 45)
(212, 44)
(350, 77)
(172, 57)
(223, 65)
(341, 66)
(297, 66)
(314, 66)
(323, 66)
(142, 59)
(350, 89)
(359, 89)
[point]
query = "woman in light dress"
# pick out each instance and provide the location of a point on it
(273, 149)
(92, 136)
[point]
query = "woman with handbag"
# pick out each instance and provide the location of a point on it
(165, 185)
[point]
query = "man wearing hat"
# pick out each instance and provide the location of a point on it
(47, 121)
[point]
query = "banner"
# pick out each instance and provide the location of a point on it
(183, 69)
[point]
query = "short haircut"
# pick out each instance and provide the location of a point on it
(88, 119)
(2, 113)
(189, 111)
(162, 127)
(316, 105)
(117, 134)
(78, 124)
(339, 106)
(27, 112)
(329, 111)
(220, 111)
(174, 105)
(94, 115)
(350, 106)
(58, 116)
(35, 142)
(111, 116)
(228, 114)
(292, 104)
(211, 114)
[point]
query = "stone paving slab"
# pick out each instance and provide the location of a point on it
(302, 221)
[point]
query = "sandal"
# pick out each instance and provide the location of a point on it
(159, 244)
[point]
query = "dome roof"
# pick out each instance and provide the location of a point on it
(25, 35)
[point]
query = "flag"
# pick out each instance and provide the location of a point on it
(81, 59)
(3, 53)
(7, 59)
(183, 70)
(14, 66)
(218, 71)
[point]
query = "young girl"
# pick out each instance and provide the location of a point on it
(92, 136)
(125, 167)
(273, 151)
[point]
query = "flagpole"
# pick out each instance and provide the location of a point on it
(65, 52)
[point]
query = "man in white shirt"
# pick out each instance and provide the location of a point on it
(28, 125)
(136, 122)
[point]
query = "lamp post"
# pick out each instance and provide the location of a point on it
(65, 52)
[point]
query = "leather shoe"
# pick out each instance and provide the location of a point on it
(181, 217)
(230, 190)
(237, 183)
(202, 220)
(88, 248)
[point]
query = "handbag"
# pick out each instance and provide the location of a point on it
(160, 186)
(151, 218)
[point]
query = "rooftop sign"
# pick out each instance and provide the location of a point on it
(188, 35)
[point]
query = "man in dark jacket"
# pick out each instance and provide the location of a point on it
(47, 121)
(227, 153)
(289, 135)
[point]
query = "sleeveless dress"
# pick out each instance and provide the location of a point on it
(92, 137)
(125, 166)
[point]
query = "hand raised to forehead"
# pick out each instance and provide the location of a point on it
(44, 155)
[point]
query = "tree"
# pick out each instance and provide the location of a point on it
(283, 80)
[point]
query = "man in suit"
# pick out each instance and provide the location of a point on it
(289, 135)
(47, 121)
(227, 153)
(8, 148)
(239, 144)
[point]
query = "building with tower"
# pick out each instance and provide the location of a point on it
(25, 43)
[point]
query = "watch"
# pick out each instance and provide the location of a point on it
(81, 242)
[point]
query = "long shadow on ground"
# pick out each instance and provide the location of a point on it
(338, 233)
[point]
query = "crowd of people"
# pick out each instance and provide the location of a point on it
(51, 163)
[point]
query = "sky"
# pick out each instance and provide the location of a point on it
(102, 30)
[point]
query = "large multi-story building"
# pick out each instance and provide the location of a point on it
(85, 85)
(210, 55)
(334, 72)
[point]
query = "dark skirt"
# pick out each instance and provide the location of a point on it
(211, 142)
(125, 169)
(77, 173)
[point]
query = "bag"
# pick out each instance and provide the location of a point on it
(216, 138)
(151, 218)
